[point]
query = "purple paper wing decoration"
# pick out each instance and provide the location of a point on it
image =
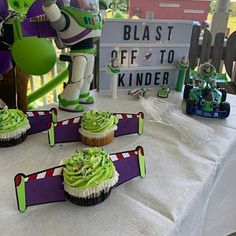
(66, 131)
(129, 164)
(5, 61)
(38, 188)
(40, 29)
(3, 8)
(44, 187)
(40, 120)
(129, 124)
(47, 186)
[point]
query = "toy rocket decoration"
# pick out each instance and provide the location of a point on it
(47, 185)
(68, 130)
(147, 57)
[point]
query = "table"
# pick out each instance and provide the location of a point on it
(171, 200)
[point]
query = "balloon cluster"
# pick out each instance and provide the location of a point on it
(35, 56)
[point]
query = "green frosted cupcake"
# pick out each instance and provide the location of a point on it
(98, 127)
(88, 175)
(13, 127)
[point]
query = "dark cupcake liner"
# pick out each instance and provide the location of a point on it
(13, 141)
(88, 201)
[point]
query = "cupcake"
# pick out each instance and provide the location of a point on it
(89, 176)
(98, 127)
(13, 127)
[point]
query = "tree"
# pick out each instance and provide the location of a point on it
(121, 5)
(212, 7)
(103, 5)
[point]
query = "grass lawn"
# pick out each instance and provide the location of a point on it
(232, 24)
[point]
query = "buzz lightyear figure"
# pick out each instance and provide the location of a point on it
(205, 81)
(78, 24)
(206, 76)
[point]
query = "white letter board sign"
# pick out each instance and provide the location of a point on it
(147, 50)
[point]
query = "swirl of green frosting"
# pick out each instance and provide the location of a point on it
(96, 121)
(88, 168)
(12, 119)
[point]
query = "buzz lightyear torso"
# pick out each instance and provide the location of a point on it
(81, 25)
(207, 80)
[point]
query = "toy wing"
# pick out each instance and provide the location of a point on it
(129, 164)
(36, 23)
(40, 120)
(38, 188)
(47, 186)
(68, 130)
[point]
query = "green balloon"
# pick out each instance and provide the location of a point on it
(35, 56)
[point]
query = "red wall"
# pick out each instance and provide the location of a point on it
(169, 12)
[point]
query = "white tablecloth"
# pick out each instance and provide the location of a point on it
(221, 211)
(171, 200)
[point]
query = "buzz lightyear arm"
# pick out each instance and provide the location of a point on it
(56, 18)
(46, 186)
(68, 130)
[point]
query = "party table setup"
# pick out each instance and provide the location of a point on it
(171, 199)
(145, 153)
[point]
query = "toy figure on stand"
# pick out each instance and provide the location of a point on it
(114, 69)
(183, 67)
(78, 24)
(203, 98)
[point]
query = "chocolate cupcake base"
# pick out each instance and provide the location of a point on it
(88, 201)
(13, 142)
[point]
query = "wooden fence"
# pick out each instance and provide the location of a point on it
(221, 52)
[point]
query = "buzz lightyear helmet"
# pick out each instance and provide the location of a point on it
(84, 5)
(207, 69)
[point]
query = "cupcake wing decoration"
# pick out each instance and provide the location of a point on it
(13, 127)
(40, 120)
(16, 125)
(59, 183)
(129, 164)
(38, 188)
(72, 130)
